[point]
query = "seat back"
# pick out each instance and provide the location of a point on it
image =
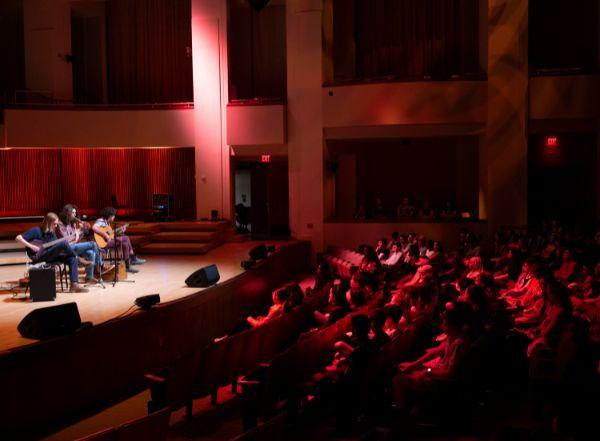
(152, 427)
(107, 434)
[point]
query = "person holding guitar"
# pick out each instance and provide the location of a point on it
(76, 231)
(103, 229)
(42, 245)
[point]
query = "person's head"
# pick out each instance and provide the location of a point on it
(421, 240)
(557, 294)
(244, 198)
(296, 294)
(411, 238)
(566, 255)
(437, 247)
(475, 264)
(453, 320)
(68, 214)
(413, 250)
(361, 326)
(281, 296)
(394, 314)
(108, 213)
(49, 223)
(476, 296)
(394, 248)
(378, 318)
(382, 242)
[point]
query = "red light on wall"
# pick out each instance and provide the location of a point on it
(551, 141)
(265, 158)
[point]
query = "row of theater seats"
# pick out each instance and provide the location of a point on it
(152, 427)
(287, 377)
(222, 362)
(342, 260)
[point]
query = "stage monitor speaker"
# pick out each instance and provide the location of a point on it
(146, 302)
(259, 252)
(42, 284)
(207, 276)
(52, 321)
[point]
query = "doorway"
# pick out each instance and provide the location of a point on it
(563, 180)
(261, 203)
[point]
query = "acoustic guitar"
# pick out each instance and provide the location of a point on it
(43, 246)
(101, 241)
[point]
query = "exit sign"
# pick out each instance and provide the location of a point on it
(265, 158)
(551, 141)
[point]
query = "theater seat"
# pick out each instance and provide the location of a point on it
(104, 435)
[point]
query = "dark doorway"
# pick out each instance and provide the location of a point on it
(87, 48)
(563, 180)
(261, 194)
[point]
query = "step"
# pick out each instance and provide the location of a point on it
(193, 226)
(10, 245)
(183, 236)
(13, 257)
(176, 248)
(142, 229)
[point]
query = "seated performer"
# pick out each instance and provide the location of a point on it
(107, 215)
(35, 238)
(76, 231)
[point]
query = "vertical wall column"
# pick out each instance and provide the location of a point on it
(305, 119)
(506, 131)
(209, 47)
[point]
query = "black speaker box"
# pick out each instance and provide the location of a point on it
(259, 252)
(42, 284)
(52, 321)
(207, 276)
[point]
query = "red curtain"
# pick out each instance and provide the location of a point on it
(35, 181)
(149, 51)
(415, 38)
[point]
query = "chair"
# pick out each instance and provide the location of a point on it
(103, 435)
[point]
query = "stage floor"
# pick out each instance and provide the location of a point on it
(163, 274)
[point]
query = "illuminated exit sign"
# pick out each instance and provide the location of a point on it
(551, 141)
(265, 158)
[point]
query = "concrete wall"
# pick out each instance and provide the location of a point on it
(256, 125)
(99, 128)
(569, 97)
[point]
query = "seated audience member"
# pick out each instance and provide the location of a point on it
(422, 244)
(337, 307)
(280, 297)
(434, 252)
(34, 240)
(568, 267)
(361, 213)
(405, 209)
(296, 297)
(382, 249)
(507, 267)
(557, 312)
(379, 211)
(520, 287)
(394, 258)
(472, 247)
(449, 212)
(107, 216)
(356, 295)
(394, 315)
(474, 267)
(426, 213)
(417, 379)
(378, 335)
(323, 277)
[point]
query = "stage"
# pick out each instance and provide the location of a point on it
(163, 274)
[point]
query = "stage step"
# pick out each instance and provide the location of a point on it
(176, 248)
(13, 257)
(193, 226)
(10, 245)
(183, 236)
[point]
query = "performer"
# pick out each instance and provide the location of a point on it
(107, 216)
(76, 231)
(34, 239)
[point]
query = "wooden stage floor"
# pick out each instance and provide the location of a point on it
(163, 274)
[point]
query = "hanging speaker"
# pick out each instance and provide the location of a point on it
(204, 277)
(52, 321)
(258, 5)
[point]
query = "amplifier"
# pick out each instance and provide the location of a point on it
(42, 284)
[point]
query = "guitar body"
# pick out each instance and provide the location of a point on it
(101, 241)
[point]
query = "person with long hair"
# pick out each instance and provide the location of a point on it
(75, 231)
(34, 240)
